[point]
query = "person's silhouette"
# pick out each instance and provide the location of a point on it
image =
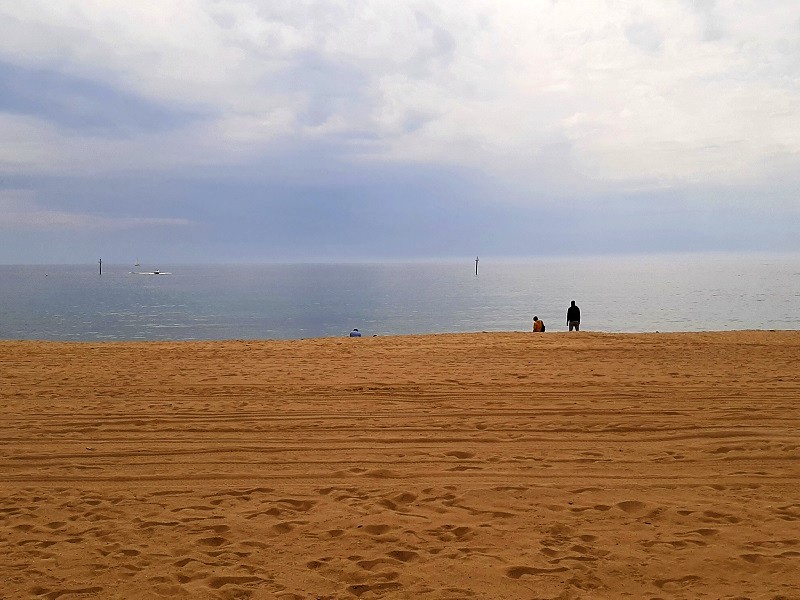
(574, 317)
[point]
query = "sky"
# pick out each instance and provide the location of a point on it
(321, 130)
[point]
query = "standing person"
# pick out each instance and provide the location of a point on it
(574, 317)
(538, 325)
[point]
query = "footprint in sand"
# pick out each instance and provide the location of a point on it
(463, 533)
(212, 541)
(706, 532)
(443, 533)
(297, 505)
(517, 572)
(282, 527)
(369, 565)
(360, 589)
(53, 594)
(754, 558)
(598, 507)
(631, 506)
(217, 582)
(376, 529)
(715, 517)
(334, 533)
(381, 474)
(184, 561)
(218, 529)
(790, 512)
(674, 584)
(398, 501)
(405, 498)
(403, 555)
(460, 454)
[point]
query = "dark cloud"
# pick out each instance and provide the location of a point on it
(83, 105)
(389, 213)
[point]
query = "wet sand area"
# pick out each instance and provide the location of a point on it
(499, 465)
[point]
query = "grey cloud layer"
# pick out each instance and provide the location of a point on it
(639, 91)
(545, 100)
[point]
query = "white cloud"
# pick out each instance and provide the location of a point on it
(651, 92)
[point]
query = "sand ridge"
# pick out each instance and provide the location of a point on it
(442, 466)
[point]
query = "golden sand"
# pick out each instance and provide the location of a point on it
(444, 466)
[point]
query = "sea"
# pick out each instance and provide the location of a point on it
(666, 293)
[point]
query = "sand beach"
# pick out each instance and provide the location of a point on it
(495, 465)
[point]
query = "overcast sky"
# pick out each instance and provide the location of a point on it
(304, 130)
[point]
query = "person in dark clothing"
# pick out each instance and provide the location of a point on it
(574, 317)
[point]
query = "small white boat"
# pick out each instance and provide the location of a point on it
(155, 272)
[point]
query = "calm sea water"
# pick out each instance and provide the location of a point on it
(668, 293)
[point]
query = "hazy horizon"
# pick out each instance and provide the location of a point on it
(468, 262)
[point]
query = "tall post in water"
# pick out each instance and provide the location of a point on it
(101, 266)
(476, 265)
